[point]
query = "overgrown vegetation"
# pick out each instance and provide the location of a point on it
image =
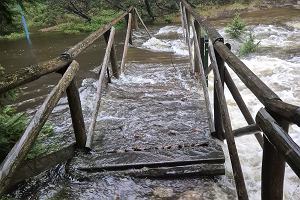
(249, 45)
(236, 28)
(13, 125)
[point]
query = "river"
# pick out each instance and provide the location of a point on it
(277, 63)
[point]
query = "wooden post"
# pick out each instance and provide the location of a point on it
(197, 37)
(113, 56)
(234, 157)
(126, 43)
(182, 19)
(18, 153)
(144, 25)
(96, 106)
(273, 168)
(76, 114)
(135, 24)
(129, 28)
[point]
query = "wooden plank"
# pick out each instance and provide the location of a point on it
(182, 20)
(18, 153)
(34, 72)
(235, 161)
(76, 114)
(241, 104)
(279, 137)
(113, 56)
(119, 167)
(247, 130)
(144, 25)
(96, 105)
(126, 43)
(197, 36)
(31, 168)
(273, 163)
(203, 78)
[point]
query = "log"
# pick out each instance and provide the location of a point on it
(203, 78)
(273, 163)
(135, 24)
(113, 57)
(126, 43)
(76, 114)
(31, 168)
(120, 167)
(182, 20)
(247, 130)
(31, 73)
(18, 153)
(96, 105)
(241, 104)
(278, 137)
(197, 35)
(235, 161)
(144, 25)
(188, 39)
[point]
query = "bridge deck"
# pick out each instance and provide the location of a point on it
(155, 119)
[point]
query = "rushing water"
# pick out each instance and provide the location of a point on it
(277, 63)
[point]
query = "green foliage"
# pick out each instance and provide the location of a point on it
(249, 46)
(236, 27)
(13, 125)
(13, 36)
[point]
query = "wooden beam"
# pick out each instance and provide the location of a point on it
(203, 79)
(96, 105)
(247, 130)
(278, 137)
(18, 153)
(235, 161)
(120, 167)
(126, 43)
(31, 168)
(241, 104)
(144, 25)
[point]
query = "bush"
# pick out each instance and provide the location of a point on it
(249, 46)
(236, 27)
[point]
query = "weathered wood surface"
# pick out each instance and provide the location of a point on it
(200, 70)
(31, 73)
(277, 136)
(126, 43)
(241, 104)
(235, 161)
(247, 130)
(76, 114)
(96, 105)
(273, 163)
(113, 56)
(144, 25)
(31, 168)
(18, 153)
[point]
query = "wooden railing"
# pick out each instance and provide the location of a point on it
(15, 168)
(273, 120)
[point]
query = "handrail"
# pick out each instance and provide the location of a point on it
(267, 97)
(18, 153)
(277, 146)
(34, 72)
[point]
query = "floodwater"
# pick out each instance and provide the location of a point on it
(277, 63)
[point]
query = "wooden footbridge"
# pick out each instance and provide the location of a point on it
(162, 129)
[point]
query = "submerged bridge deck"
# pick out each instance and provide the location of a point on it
(155, 120)
(157, 116)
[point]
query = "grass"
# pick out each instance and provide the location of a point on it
(13, 36)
